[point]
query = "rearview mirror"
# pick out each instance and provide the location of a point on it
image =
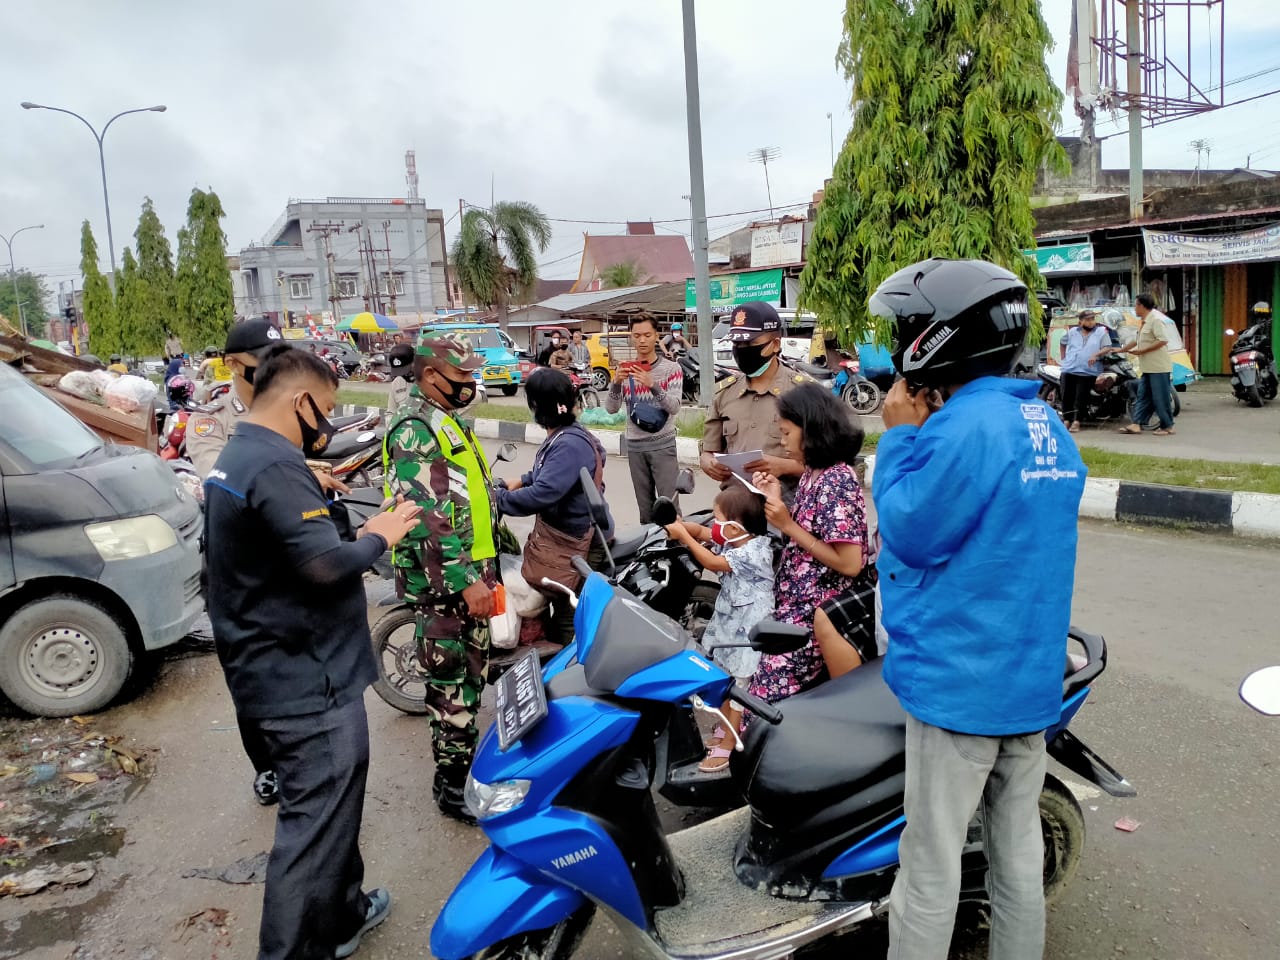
(664, 512)
(507, 452)
(684, 481)
(1261, 690)
(774, 638)
(599, 512)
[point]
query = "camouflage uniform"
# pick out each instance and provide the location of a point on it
(434, 460)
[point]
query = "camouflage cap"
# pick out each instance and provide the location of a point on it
(449, 349)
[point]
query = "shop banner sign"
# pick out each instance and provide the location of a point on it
(1194, 250)
(730, 289)
(776, 245)
(1066, 258)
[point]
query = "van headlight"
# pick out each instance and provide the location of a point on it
(131, 538)
(490, 799)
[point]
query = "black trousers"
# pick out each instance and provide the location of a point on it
(254, 746)
(1075, 395)
(313, 899)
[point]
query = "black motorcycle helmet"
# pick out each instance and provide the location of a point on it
(211, 351)
(954, 320)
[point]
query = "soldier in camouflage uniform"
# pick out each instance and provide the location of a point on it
(447, 566)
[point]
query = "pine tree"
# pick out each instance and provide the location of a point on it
(205, 299)
(953, 113)
(132, 305)
(99, 304)
(155, 268)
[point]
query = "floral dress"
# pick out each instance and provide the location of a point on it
(746, 598)
(828, 504)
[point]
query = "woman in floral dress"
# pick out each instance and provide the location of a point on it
(826, 530)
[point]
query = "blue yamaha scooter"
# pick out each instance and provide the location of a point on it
(561, 786)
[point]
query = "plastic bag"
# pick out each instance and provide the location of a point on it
(129, 394)
(596, 417)
(82, 384)
(522, 601)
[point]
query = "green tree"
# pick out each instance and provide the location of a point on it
(132, 296)
(953, 113)
(157, 309)
(628, 273)
(99, 304)
(205, 299)
(496, 253)
(33, 294)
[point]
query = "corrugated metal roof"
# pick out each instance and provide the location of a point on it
(569, 301)
(662, 298)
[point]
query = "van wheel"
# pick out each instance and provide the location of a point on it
(510, 390)
(61, 656)
(600, 378)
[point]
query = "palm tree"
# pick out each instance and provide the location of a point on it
(628, 273)
(495, 253)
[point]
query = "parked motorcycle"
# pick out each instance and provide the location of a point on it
(1113, 395)
(355, 452)
(1253, 367)
(561, 787)
(691, 370)
(584, 384)
(856, 390)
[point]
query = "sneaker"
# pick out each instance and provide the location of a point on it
(374, 914)
(266, 788)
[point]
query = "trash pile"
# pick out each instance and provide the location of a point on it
(60, 782)
(123, 392)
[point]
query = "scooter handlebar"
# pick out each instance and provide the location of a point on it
(761, 708)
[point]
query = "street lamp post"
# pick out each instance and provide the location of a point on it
(102, 160)
(13, 272)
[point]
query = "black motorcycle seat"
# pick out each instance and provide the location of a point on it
(815, 371)
(628, 543)
(343, 445)
(832, 742)
(341, 423)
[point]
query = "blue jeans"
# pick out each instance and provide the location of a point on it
(1155, 395)
(948, 776)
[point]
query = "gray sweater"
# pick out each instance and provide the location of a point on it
(668, 385)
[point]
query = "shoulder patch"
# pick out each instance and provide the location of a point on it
(799, 378)
(203, 426)
(237, 406)
(726, 382)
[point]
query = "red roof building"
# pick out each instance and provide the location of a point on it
(661, 258)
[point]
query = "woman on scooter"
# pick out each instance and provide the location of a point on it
(825, 568)
(743, 557)
(551, 491)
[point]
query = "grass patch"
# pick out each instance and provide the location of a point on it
(361, 398)
(1200, 474)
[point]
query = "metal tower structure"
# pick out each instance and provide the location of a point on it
(411, 173)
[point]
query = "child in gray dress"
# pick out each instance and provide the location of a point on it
(743, 557)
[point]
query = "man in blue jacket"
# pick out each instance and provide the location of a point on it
(978, 486)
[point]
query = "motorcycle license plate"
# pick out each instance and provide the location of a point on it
(520, 701)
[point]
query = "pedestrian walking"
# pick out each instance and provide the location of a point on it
(447, 567)
(286, 598)
(1080, 367)
(744, 411)
(650, 387)
(976, 666)
(552, 491)
(1155, 391)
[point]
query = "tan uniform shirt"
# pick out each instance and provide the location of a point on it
(398, 394)
(209, 428)
(744, 418)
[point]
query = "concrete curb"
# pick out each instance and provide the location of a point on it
(1254, 515)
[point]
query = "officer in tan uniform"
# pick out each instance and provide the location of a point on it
(744, 411)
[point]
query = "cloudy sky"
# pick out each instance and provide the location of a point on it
(577, 106)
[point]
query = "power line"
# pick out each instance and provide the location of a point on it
(623, 223)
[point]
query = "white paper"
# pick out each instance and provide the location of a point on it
(737, 463)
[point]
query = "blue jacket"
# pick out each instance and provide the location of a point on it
(552, 489)
(977, 514)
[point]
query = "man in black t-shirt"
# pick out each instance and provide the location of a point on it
(287, 602)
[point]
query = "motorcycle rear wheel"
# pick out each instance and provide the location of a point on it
(1252, 395)
(1062, 825)
(402, 681)
(588, 398)
(863, 396)
(551, 943)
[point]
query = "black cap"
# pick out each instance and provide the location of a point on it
(252, 335)
(400, 356)
(749, 320)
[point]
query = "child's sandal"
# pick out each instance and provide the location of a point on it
(717, 759)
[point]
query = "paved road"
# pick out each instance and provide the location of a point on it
(1197, 880)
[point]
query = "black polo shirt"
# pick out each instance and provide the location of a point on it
(284, 593)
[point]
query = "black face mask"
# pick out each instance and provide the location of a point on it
(456, 394)
(751, 359)
(248, 373)
(315, 440)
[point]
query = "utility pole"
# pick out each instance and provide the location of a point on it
(326, 230)
(1133, 50)
(697, 194)
(391, 280)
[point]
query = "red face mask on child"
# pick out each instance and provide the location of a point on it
(718, 534)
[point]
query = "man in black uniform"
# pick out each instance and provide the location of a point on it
(288, 608)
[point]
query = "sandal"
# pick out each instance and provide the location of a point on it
(1162, 432)
(1131, 428)
(717, 759)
